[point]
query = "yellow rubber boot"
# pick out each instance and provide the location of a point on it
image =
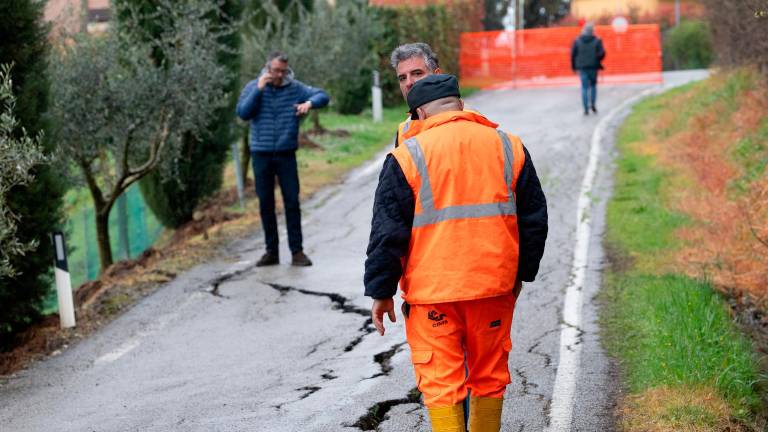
(485, 414)
(447, 419)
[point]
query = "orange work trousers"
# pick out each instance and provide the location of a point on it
(460, 346)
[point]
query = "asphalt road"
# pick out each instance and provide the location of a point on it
(229, 347)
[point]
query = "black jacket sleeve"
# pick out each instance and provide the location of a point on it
(600, 53)
(531, 220)
(393, 209)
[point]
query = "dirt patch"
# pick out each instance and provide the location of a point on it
(666, 409)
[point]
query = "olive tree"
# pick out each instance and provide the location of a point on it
(17, 157)
(118, 114)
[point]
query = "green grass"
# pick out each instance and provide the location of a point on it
(638, 219)
(704, 96)
(365, 140)
(751, 153)
(667, 329)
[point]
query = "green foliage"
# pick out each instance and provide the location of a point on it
(666, 329)
(688, 46)
(197, 173)
(751, 153)
(495, 11)
(440, 26)
(122, 109)
(37, 204)
(17, 157)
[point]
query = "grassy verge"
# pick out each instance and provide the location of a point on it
(687, 366)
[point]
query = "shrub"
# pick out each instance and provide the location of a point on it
(688, 46)
(38, 205)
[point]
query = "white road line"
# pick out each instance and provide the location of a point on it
(570, 345)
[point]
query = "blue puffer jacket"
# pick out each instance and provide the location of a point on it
(274, 124)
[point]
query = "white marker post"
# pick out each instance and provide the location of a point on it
(63, 282)
(238, 175)
(376, 99)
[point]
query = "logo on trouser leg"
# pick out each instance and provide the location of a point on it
(434, 316)
(496, 323)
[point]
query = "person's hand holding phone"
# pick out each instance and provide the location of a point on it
(264, 79)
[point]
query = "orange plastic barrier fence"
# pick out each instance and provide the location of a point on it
(542, 57)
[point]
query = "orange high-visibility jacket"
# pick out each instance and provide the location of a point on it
(464, 240)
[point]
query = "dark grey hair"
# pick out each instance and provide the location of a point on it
(406, 51)
(589, 29)
(283, 57)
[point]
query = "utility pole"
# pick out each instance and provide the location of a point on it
(677, 13)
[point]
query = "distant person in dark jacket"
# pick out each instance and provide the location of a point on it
(274, 103)
(587, 53)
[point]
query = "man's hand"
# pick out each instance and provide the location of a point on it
(264, 80)
(380, 306)
(303, 108)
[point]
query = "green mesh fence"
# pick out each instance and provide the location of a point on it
(142, 229)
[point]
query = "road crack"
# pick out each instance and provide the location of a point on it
(215, 284)
(528, 386)
(379, 411)
(340, 303)
(384, 359)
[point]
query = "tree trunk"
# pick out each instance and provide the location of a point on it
(317, 128)
(102, 236)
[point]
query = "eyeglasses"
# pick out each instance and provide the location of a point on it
(278, 70)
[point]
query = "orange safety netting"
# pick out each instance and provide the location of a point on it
(542, 57)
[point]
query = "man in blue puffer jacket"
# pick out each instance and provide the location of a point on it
(274, 103)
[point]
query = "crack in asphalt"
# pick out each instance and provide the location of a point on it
(547, 357)
(579, 335)
(340, 302)
(316, 346)
(378, 412)
(328, 375)
(216, 283)
(384, 359)
(310, 390)
(527, 386)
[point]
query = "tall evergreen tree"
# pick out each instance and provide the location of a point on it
(173, 192)
(24, 43)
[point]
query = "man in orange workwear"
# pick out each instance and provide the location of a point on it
(460, 220)
(412, 62)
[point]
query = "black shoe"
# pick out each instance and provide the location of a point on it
(268, 259)
(301, 260)
(594, 110)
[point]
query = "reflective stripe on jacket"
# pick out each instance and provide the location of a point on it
(464, 241)
(402, 129)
